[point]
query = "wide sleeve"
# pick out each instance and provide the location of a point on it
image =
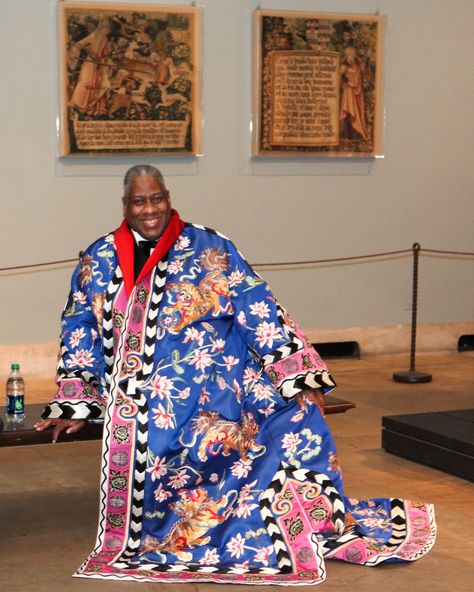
(80, 362)
(281, 346)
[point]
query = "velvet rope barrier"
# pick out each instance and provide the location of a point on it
(278, 263)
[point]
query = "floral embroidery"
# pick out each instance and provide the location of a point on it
(290, 443)
(82, 358)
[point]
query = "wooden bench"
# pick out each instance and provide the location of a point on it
(25, 434)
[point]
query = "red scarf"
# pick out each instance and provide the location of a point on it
(124, 243)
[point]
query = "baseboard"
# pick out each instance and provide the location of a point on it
(396, 339)
(39, 359)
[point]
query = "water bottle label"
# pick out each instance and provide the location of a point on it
(15, 404)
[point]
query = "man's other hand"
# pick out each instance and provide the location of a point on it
(314, 396)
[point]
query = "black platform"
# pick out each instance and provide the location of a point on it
(443, 440)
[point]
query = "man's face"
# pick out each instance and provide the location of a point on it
(147, 207)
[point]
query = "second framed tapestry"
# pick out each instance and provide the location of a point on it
(317, 84)
(129, 79)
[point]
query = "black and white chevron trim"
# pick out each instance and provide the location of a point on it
(65, 373)
(73, 410)
(286, 471)
(399, 536)
(330, 546)
(152, 318)
(292, 346)
(284, 351)
(399, 522)
(267, 497)
(399, 533)
(107, 326)
(283, 558)
(292, 385)
(132, 389)
(141, 450)
(204, 569)
(211, 230)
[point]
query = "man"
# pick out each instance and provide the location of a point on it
(217, 462)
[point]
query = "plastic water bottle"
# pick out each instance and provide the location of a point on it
(15, 396)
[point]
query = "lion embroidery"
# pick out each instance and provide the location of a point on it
(199, 514)
(85, 271)
(193, 302)
(97, 308)
(220, 436)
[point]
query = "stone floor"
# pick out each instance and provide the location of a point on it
(49, 494)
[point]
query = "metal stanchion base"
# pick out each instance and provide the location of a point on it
(412, 376)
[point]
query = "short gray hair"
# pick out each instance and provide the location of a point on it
(138, 170)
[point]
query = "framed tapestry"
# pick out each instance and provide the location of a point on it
(129, 79)
(317, 84)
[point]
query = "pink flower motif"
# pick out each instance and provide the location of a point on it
(160, 386)
(158, 469)
(240, 469)
(82, 358)
(230, 361)
(241, 318)
(110, 239)
(237, 390)
(179, 480)
(201, 359)
(192, 334)
(263, 554)
(244, 510)
(182, 243)
(79, 297)
(244, 565)
(266, 333)
(211, 557)
(175, 266)
(236, 546)
(184, 394)
(204, 397)
(298, 416)
(263, 392)
(245, 491)
(365, 512)
(374, 523)
(217, 345)
(161, 494)
(270, 410)
(214, 478)
(260, 310)
(76, 337)
(251, 375)
(290, 442)
(163, 419)
(236, 278)
(94, 334)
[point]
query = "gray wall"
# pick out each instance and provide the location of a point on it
(275, 211)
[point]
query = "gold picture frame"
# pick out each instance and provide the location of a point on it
(317, 87)
(129, 78)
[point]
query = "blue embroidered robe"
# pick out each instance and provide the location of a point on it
(211, 471)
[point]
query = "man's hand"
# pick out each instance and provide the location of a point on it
(313, 395)
(70, 425)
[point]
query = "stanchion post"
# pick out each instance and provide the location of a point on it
(412, 376)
